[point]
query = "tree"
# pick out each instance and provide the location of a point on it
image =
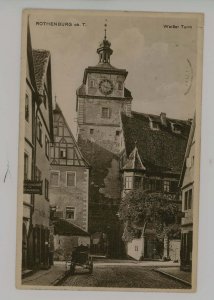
(138, 208)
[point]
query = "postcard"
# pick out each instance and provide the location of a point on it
(109, 150)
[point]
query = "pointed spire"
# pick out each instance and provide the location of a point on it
(134, 161)
(104, 50)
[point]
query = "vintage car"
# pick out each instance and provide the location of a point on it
(81, 257)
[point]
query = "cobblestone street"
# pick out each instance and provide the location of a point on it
(126, 276)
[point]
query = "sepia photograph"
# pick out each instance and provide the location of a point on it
(109, 150)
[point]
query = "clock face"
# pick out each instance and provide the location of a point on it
(106, 87)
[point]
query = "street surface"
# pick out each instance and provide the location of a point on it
(122, 275)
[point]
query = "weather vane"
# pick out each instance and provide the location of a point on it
(105, 28)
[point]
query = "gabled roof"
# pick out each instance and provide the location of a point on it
(63, 227)
(134, 162)
(30, 58)
(42, 68)
(82, 161)
(40, 60)
(159, 150)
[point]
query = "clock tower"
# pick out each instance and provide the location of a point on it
(101, 99)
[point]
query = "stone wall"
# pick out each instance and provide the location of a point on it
(76, 196)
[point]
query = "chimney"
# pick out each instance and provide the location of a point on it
(163, 119)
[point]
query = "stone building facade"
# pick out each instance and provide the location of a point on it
(187, 193)
(100, 100)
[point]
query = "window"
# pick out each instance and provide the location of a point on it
(91, 83)
(137, 182)
(120, 85)
(26, 163)
(55, 129)
(62, 153)
(70, 213)
(71, 179)
(166, 186)
(154, 125)
(55, 178)
(27, 106)
(39, 131)
(46, 147)
(117, 132)
(128, 182)
(188, 199)
(152, 184)
(91, 131)
(46, 189)
(176, 128)
(38, 174)
(105, 112)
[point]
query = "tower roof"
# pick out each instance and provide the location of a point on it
(104, 49)
(134, 161)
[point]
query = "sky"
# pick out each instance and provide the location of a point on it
(161, 62)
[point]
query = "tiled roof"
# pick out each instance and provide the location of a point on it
(40, 61)
(63, 227)
(160, 150)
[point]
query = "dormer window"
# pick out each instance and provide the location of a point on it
(154, 125)
(176, 128)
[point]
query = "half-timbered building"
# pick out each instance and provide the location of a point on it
(69, 177)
